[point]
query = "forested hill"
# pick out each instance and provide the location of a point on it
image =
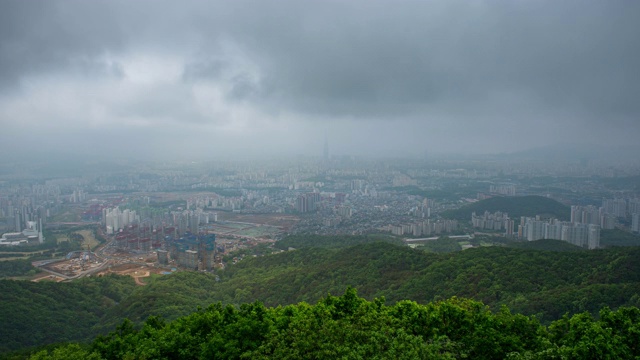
(532, 282)
(515, 206)
(46, 312)
(332, 242)
(349, 327)
(528, 281)
(546, 245)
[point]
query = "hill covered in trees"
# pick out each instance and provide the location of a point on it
(515, 206)
(617, 237)
(46, 312)
(332, 242)
(537, 282)
(546, 245)
(350, 327)
(17, 267)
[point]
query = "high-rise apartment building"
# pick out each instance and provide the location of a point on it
(633, 206)
(307, 202)
(635, 222)
(583, 235)
(615, 207)
(585, 215)
(115, 219)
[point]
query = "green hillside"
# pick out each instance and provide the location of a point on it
(349, 327)
(617, 237)
(495, 275)
(18, 267)
(546, 245)
(532, 282)
(329, 242)
(46, 312)
(515, 206)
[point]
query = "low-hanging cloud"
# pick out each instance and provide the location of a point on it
(497, 76)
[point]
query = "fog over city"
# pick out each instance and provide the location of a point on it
(209, 79)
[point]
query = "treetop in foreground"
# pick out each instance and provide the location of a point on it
(350, 327)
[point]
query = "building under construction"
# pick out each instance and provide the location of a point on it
(163, 257)
(194, 252)
(140, 238)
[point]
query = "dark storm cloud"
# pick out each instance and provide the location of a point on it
(363, 58)
(40, 36)
(477, 70)
(240, 85)
(372, 58)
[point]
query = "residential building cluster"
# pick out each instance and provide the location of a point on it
(583, 235)
(78, 196)
(583, 229)
(607, 215)
(592, 215)
(116, 219)
(423, 228)
(496, 221)
(190, 220)
(615, 207)
(340, 195)
(308, 202)
(621, 207)
(508, 190)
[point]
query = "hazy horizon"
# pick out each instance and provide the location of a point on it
(200, 79)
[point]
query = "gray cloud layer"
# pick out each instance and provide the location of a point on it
(381, 77)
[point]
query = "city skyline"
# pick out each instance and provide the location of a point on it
(201, 80)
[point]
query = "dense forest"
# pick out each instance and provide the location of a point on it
(17, 267)
(546, 284)
(617, 237)
(350, 327)
(515, 206)
(546, 245)
(46, 312)
(332, 242)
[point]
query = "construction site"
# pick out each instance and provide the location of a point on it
(137, 271)
(75, 264)
(140, 250)
(192, 252)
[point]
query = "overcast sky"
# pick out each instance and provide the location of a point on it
(203, 79)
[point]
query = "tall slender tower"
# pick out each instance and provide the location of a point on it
(40, 237)
(326, 147)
